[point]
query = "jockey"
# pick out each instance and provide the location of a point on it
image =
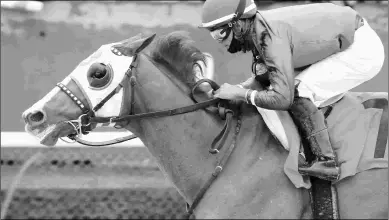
(304, 57)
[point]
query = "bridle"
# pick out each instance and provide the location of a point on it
(83, 125)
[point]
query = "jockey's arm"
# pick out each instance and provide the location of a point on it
(278, 59)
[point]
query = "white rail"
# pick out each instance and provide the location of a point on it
(23, 139)
(33, 6)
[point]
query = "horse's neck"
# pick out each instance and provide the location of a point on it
(180, 143)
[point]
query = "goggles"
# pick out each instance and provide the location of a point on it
(220, 34)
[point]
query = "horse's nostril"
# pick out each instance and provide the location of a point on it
(25, 117)
(37, 116)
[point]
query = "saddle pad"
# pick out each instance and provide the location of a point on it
(358, 128)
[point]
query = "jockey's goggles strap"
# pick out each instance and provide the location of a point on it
(221, 34)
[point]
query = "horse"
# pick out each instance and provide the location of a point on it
(141, 76)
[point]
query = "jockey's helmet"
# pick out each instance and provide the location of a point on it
(217, 13)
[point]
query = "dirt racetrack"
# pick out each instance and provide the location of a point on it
(89, 183)
(140, 203)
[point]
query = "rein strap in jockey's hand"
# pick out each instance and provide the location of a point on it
(164, 113)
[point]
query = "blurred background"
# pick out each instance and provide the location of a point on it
(41, 43)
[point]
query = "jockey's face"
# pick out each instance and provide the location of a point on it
(222, 37)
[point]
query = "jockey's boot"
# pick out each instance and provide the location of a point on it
(311, 123)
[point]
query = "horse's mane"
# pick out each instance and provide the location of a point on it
(176, 51)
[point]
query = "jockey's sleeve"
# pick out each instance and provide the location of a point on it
(278, 60)
(247, 84)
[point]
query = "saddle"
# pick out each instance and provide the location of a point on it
(358, 128)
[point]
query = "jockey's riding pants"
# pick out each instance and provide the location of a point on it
(326, 81)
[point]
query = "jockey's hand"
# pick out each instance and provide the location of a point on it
(230, 92)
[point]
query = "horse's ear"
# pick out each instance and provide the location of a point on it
(145, 43)
(134, 45)
(132, 39)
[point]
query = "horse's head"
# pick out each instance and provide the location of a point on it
(112, 79)
(80, 93)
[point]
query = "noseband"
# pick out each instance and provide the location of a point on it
(83, 125)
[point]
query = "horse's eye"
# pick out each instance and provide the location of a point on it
(99, 75)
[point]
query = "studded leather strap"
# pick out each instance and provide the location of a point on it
(76, 100)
